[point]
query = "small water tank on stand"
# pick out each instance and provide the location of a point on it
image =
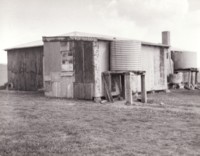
(126, 55)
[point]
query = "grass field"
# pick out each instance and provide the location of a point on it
(31, 124)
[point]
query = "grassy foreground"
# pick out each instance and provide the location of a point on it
(31, 124)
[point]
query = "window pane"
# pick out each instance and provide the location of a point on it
(67, 61)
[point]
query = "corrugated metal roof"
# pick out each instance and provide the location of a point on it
(39, 43)
(181, 50)
(91, 35)
(106, 37)
(154, 44)
(84, 34)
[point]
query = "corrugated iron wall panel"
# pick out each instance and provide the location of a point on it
(126, 55)
(25, 68)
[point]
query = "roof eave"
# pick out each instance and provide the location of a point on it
(181, 50)
(155, 44)
(36, 46)
(70, 38)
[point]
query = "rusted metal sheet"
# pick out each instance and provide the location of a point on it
(25, 68)
(83, 62)
(68, 38)
(84, 71)
(79, 91)
(83, 90)
(88, 63)
(52, 57)
(78, 62)
(67, 86)
(58, 83)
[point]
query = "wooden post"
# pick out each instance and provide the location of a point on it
(107, 85)
(120, 84)
(143, 89)
(110, 82)
(189, 79)
(192, 78)
(128, 89)
(196, 77)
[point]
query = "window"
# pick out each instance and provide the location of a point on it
(67, 60)
(66, 51)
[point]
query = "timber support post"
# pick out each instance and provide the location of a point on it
(192, 79)
(189, 79)
(192, 74)
(143, 89)
(128, 88)
(196, 77)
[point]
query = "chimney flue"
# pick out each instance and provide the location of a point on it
(166, 37)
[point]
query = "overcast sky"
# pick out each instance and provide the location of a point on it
(24, 21)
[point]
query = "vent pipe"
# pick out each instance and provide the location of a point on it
(166, 38)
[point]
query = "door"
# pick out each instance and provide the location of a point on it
(84, 72)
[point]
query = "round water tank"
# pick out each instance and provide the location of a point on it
(126, 55)
(183, 60)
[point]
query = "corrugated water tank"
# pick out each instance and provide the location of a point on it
(183, 60)
(126, 55)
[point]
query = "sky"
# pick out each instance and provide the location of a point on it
(24, 21)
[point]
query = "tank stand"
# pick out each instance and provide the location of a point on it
(123, 81)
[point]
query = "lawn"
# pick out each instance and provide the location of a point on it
(31, 124)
